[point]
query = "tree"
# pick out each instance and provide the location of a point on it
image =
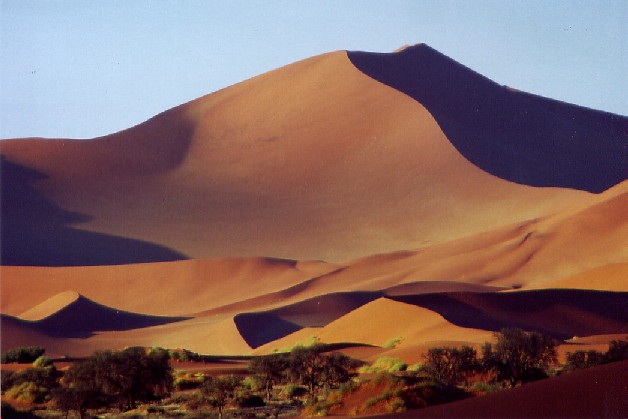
(220, 391)
(617, 351)
(33, 384)
(117, 378)
(585, 359)
(270, 370)
(314, 369)
(452, 365)
(519, 356)
(22, 355)
(338, 369)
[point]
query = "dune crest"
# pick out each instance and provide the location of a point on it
(350, 196)
(51, 306)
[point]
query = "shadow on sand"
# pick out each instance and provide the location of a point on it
(37, 232)
(514, 135)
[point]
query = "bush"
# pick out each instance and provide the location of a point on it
(291, 391)
(42, 362)
(452, 365)
(8, 379)
(584, 359)
(118, 378)
(22, 355)
(29, 392)
(617, 351)
(393, 343)
(519, 357)
(384, 364)
(482, 388)
(252, 400)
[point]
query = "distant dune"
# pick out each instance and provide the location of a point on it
(70, 315)
(353, 197)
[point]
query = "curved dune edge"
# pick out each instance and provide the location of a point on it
(379, 322)
(50, 306)
(236, 172)
(514, 135)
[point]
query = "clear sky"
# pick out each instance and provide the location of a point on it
(81, 69)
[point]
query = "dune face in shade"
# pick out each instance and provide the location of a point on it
(369, 198)
(312, 161)
(37, 232)
(514, 135)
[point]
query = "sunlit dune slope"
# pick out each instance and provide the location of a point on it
(562, 251)
(217, 335)
(315, 160)
(168, 288)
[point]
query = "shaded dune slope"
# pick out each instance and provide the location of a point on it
(559, 313)
(236, 173)
(514, 135)
(80, 317)
(598, 392)
(37, 232)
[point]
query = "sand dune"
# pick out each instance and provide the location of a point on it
(315, 160)
(592, 393)
(70, 314)
(558, 313)
(352, 196)
(169, 288)
(514, 135)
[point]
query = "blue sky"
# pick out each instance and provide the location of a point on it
(82, 69)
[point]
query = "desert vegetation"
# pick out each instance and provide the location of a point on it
(310, 380)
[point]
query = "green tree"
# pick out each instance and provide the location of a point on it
(220, 391)
(519, 356)
(314, 369)
(452, 365)
(118, 378)
(271, 370)
(22, 355)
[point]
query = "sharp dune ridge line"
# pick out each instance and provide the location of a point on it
(347, 196)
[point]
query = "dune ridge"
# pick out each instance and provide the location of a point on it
(517, 136)
(235, 173)
(310, 199)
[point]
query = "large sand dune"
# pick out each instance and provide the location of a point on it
(315, 160)
(330, 197)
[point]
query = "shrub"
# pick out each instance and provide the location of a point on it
(29, 392)
(22, 355)
(291, 391)
(252, 400)
(185, 383)
(8, 380)
(481, 388)
(452, 365)
(119, 378)
(519, 357)
(617, 351)
(384, 364)
(393, 343)
(585, 359)
(42, 362)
